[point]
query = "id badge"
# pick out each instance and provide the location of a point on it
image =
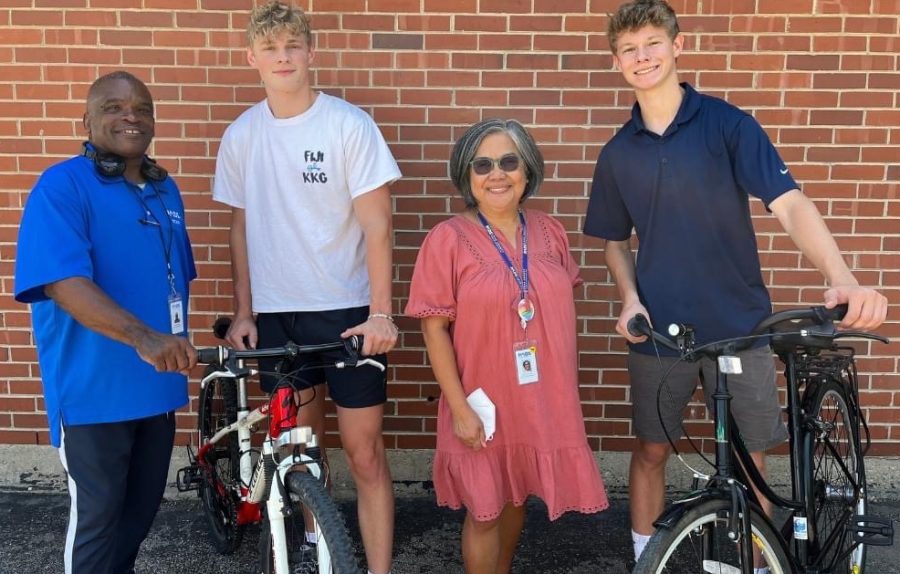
(176, 314)
(525, 355)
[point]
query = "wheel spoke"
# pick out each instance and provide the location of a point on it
(837, 479)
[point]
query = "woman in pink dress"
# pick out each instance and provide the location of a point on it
(493, 287)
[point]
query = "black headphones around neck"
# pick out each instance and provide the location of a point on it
(111, 165)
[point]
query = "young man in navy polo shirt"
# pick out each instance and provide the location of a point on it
(104, 260)
(680, 174)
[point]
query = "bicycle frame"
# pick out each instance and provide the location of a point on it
(730, 481)
(264, 483)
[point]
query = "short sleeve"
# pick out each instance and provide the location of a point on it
(607, 217)
(758, 169)
(54, 241)
(228, 185)
(369, 162)
(433, 289)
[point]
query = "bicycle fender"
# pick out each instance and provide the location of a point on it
(674, 513)
(671, 515)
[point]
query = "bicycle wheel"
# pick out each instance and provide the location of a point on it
(333, 554)
(836, 479)
(218, 409)
(698, 542)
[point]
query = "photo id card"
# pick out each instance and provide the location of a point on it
(176, 314)
(525, 355)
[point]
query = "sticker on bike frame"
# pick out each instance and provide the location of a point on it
(800, 528)
(730, 365)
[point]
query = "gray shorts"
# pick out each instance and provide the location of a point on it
(754, 403)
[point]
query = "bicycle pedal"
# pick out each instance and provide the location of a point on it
(188, 478)
(872, 531)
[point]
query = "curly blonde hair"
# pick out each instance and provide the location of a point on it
(274, 17)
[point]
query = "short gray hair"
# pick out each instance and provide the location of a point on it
(467, 146)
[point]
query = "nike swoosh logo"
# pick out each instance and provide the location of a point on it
(783, 171)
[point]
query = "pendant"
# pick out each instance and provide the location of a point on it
(525, 309)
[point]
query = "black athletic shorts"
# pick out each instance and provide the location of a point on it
(354, 387)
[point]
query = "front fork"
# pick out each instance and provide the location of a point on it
(278, 505)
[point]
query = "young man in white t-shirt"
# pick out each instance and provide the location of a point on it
(306, 175)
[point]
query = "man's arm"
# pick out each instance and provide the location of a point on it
(93, 308)
(373, 211)
(867, 308)
(242, 326)
(620, 262)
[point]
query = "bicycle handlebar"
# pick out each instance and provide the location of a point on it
(222, 354)
(811, 328)
(640, 326)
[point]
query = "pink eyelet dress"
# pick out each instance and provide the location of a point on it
(539, 447)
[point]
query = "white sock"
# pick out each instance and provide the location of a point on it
(762, 570)
(370, 572)
(640, 542)
(311, 538)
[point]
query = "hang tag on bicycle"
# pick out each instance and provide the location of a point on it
(730, 365)
(525, 355)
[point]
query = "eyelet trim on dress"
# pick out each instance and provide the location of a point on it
(461, 236)
(435, 312)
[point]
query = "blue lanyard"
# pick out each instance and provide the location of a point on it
(151, 220)
(521, 282)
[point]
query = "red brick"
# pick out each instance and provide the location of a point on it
(36, 17)
(836, 127)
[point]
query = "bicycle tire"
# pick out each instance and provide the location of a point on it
(307, 491)
(218, 409)
(698, 542)
(833, 495)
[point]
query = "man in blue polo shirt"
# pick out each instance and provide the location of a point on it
(679, 174)
(104, 260)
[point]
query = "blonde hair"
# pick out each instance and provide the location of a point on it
(274, 17)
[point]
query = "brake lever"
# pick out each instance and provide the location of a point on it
(227, 374)
(357, 362)
(862, 335)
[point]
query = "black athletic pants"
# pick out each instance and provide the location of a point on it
(117, 476)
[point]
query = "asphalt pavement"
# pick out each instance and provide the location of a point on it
(33, 525)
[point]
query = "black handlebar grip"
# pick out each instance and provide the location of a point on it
(639, 326)
(220, 327)
(354, 343)
(831, 315)
(208, 355)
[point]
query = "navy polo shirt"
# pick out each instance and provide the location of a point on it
(686, 195)
(78, 223)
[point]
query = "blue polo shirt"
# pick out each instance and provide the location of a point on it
(78, 223)
(686, 195)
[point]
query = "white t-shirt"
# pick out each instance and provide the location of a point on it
(296, 179)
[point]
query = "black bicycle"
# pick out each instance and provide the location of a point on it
(718, 528)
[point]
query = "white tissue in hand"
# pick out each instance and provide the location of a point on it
(485, 409)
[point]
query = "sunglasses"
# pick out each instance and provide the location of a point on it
(485, 165)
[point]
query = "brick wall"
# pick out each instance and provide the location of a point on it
(820, 75)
